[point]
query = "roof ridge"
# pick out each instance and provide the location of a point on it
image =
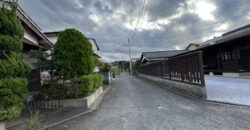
(162, 51)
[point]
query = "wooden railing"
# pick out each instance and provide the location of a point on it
(183, 68)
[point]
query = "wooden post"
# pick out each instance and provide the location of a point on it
(161, 70)
(201, 69)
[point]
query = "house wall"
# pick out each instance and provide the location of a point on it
(94, 47)
(96, 69)
(28, 35)
(53, 39)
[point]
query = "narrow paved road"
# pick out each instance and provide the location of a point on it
(135, 104)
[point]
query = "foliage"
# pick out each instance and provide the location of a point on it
(12, 92)
(88, 84)
(12, 89)
(9, 43)
(120, 64)
(105, 67)
(73, 54)
(10, 25)
(98, 62)
(116, 70)
(13, 66)
(80, 87)
(136, 64)
(34, 119)
(56, 91)
(45, 61)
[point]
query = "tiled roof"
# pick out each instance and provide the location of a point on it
(162, 54)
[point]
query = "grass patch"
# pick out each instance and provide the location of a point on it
(34, 120)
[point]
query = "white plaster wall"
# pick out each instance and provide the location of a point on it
(94, 47)
(2, 126)
(96, 69)
(6, 5)
(30, 37)
(53, 39)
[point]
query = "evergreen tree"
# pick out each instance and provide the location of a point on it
(73, 55)
(45, 60)
(12, 68)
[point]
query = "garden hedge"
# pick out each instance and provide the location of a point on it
(88, 84)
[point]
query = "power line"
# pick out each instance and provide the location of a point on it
(141, 14)
(141, 21)
(139, 18)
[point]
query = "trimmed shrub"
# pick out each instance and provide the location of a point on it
(8, 43)
(88, 84)
(58, 91)
(12, 92)
(13, 66)
(12, 89)
(73, 54)
(98, 80)
(10, 25)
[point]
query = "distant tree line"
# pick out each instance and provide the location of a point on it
(121, 63)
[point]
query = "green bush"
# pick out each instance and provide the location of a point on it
(12, 92)
(105, 67)
(12, 89)
(73, 54)
(8, 43)
(10, 25)
(88, 84)
(59, 91)
(13, 66)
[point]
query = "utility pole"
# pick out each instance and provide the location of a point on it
(129, 48)
(123, 64)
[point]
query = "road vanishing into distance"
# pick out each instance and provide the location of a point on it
(136, 104)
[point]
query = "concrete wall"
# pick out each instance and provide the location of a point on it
(199, 91)
(2, 126)
(237, 75)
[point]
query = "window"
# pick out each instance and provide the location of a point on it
(227, 56)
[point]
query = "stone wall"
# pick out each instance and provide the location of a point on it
(199, 91)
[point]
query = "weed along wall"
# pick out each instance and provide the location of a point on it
(183, 73)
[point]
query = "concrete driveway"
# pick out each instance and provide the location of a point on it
(135, 104)
(225, 89)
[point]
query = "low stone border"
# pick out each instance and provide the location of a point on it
(85, 103)
(199, 91)
(2, 126)
(91, 109)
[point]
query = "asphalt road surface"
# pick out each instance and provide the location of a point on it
(135, 104)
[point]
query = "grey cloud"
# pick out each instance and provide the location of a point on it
(111, 35)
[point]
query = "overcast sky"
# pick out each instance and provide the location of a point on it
(167, 25)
